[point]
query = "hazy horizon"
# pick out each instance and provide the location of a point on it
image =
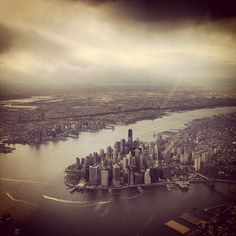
(117, 43)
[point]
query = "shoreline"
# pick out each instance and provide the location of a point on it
(66, 137)
(159, 184)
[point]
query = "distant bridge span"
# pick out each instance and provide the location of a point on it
(204, 177)
(216, 180)
(225, 181)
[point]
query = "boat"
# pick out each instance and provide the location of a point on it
(183, 186)
(168, 187)
(139, 189)
(73, 190)
(73, 135)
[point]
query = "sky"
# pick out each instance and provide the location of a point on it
(118, 42)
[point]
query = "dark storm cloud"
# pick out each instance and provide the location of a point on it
(168, 10)
(6, 38)
(122, 41)
(11, 39)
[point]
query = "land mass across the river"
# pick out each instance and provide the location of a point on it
(59, 114)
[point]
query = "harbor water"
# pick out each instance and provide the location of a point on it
(32, 186)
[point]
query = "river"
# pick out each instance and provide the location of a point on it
(32, 187)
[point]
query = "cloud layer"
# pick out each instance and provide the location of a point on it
(117, 42)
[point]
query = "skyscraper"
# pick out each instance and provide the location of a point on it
(147, 177)
(166, 172)
(131, 177)
(109, 152)
(77, 163)
(137, 178)
(117, 146)
(153, 175)
(130, 137)
(197, 161)
(93, 175)
(104, 178)
(124, 162)
(116, 175)
(122, 146)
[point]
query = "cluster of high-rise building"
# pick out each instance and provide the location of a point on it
(187, 153)
(176, 157)
(129, 162)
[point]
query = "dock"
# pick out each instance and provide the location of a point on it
(192, 219)
(182, 229)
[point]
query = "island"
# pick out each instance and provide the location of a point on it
(202, 152)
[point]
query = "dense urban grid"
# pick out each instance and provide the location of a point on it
(205, 146)
(211, 143)
(58, 114)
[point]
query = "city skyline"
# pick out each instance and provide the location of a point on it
(117, 117)
(178, 157)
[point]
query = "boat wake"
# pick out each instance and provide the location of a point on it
(131, 198)
(76, 202)
(19, 200)
(24, 181)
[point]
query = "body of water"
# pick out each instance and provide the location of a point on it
(32, 186)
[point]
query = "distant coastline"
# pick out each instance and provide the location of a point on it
(6, 145)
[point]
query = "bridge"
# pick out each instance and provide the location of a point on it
(221, 185)
(204, 177)
(225, 181)
(216, 180)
